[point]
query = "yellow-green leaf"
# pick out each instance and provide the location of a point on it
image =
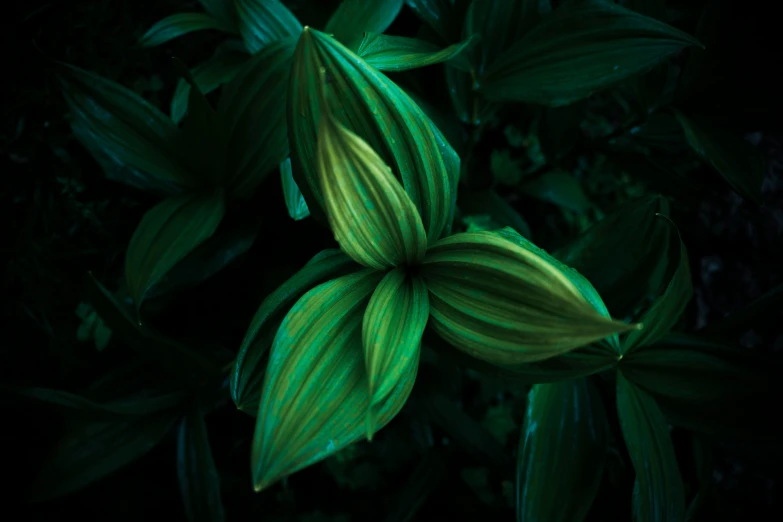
(167, 233)
(179, 24)
(369, 212)
(368, 104)
(315, 395)
(502, 303)
(391, 335)
(294, 200)
(397, 53)
(353, 18)
(262, 22)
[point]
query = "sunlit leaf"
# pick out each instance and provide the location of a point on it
(353, 18)
(397, 53)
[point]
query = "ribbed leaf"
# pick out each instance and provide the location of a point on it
(315, 395)
(262, 22)
(353, 18)
(124, 127)
(391, 335)
(223, 10)
(660, 496)
(579, 49)
(294, 200)
(219, 69)
(380, 113)
(247, 376)
(397, 53)
(369, 212)
(179, 24)
(741, 164)
(167, 233)
(199, 482)
(505, 304)
(563, 442)
(252, 112)
(666, 309)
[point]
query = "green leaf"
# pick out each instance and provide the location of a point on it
(368, 104)
(177, 25)
(441, 15)
(558, 187)
(760, 311)
(294, 200)
(89, 451)
(397, 53)
(373, 219)
(579, 49)
(124, 127)
(624, 255)
(219, 69)
(652, 8)
(247, 376)
(252, 112)
(563, 442)
(391, 335)
(661, 496)
(489, 202)
(501, 302)
(315, 395)
(223, 10)
(199, 482)
(741, 164)
(425, 478)
(666, 309)
(262, 22)
(353, 18)
(167, 233)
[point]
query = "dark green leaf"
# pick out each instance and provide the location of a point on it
(167, 233)
(177, 25)
(652, 8)
(471, 107)
(563, 442)
(199, 482)
(741, 164)
(489, 203)
(440, 15)
(659, 176)
(247, 376)
(661, 132)
(90, 451)
(558, 187)
(445, 121)
(397, 53)
(579, 49)
(124, 127)
(294, 200)
(353, 18)
(262, 22)
(661, 497)
(223, 10)
(760, 311)
(429, 473)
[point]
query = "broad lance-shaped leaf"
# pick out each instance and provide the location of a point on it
(391, 335)
(294, 200)
(563, 442)
(247, 376)
(252, 113)
(380, 113)
(199, 482)
(353, 18)
(660, 495)
(741, 164)
(369, 212)
(397, 53)
(579, 49)
(262, 22)
(505, 304)
(666, 309)
(177, 25)
(167, 233)
(315, 396)
(124, 127)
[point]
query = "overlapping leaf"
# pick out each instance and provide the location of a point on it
(579, 49)
(397, 53)
(262, 22)
(294, 200)
(178, 25)
(353, 18)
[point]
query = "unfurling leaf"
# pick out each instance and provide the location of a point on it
(294, 200)
(167, 233)
(505, 304)
(262, 22)
(660, 489)
(247, 376)
(391, 335)
(397, 53)
(380, 113)
(315, 397)
(579, 49)
(199, 482)
(353, 18)
(563, 442)
(177, 25)
(369, 212)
